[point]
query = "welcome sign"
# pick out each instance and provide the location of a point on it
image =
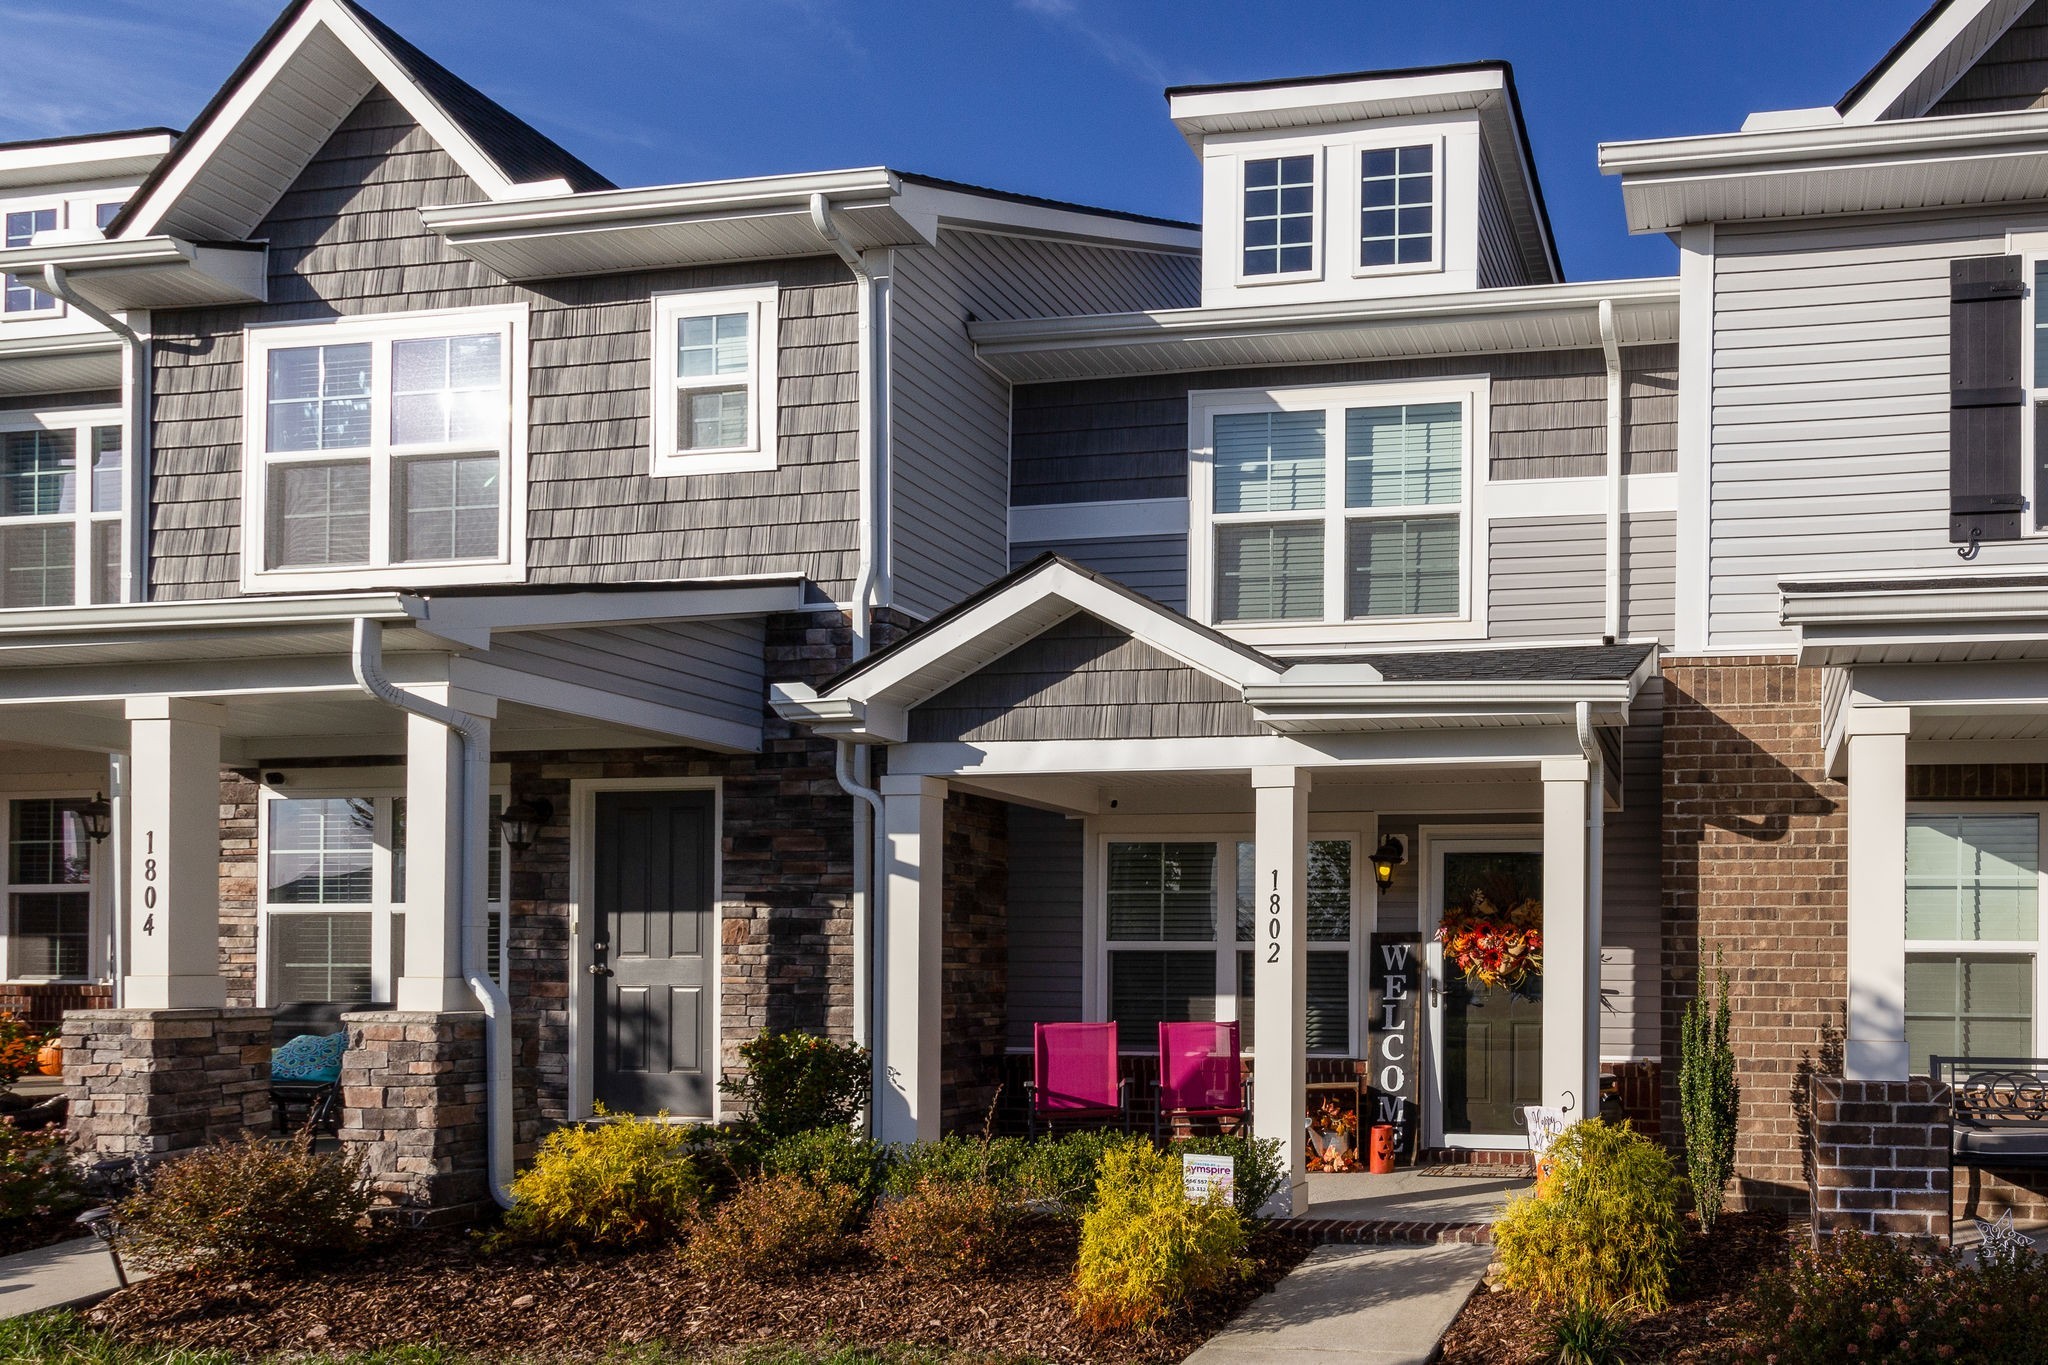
(1393, 978)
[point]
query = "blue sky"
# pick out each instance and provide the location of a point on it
(1052, 97)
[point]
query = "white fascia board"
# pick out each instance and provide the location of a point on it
(1951, 26)
(1902, 602)
(572, 610)
(1474, 747)
(839, 717)
(61, 344)
(725, 198)
(586, 704)
(1951, 134)
(89, 158)
(135, 272)
(234, 612)
(1368, 694)
(1203, 113)
(1000, 213)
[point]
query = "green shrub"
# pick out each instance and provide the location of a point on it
(1063, 1171)
(623, 1182)
(1708, 1097)
(946, 1227)
(1587, 1333)
(798, 1081)
(37, 1174)
(1146, 1248)
(1256, 1173)
(958, 1159)
(246, 1205)
(1605, 1229)
(775, 1227)
(832, 1156)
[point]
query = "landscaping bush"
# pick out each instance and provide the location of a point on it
(1063, 1171)
(1589, 1334)
(246, 1205)
(832, 1156)
(1708, 1097)
(1256, 1173)
(19, 1043)
(774, 1227)
(1146, 1248)
(946, 1227)
(623, 1182)
(37, 1176)
(1604, 1230)
(798, 1081)
(958, 1159)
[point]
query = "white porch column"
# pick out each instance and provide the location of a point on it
(434, 840)
(909, 944)
(174, 855)
(1875, 1049)
(1280, 972)
(1571, 947)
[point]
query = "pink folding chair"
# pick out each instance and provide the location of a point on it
(1200, 1076)
(1074, 1075)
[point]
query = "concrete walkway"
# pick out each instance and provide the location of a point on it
(1405, 1197)
(61, 1276)
(1383, 1305)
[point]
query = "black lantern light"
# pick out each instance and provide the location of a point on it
(1392, 852)
(522, 822)
(97, 815)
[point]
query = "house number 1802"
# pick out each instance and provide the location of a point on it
(1273, 920)
(149, 881)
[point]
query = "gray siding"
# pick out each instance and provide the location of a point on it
(1046, 935)
(1830, 410)
(711, 667)
(1500, 264)
(1547, 577)
(1632, 894)
(1083, 679)
(2013, 75)
(1649, 575)
(950, 416)
(1154, 565)
(1105, 440)
(346, 239)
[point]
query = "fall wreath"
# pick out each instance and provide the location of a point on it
(1492, 946)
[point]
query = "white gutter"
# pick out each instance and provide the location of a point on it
(135, 391)
(1610, 346)
(1596, 855)
(854, 770)
(367, 657)
(874, 185)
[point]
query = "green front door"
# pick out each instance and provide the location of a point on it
(1491, 1037)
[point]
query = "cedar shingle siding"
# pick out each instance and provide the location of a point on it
(2013, 75)
(1103, 440)
(346, 239)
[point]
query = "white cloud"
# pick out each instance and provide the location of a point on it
(1123, 53)
(118, 63)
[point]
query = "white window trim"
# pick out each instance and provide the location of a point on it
(1355, 154)
(508, 566)
(759, 452)
(381, 786)
(95, 954)
(81, 422)
(1319, 218)
(2032, 249)
(1102, 831)
(31, 205)
(2037, 946)
(1467, 623)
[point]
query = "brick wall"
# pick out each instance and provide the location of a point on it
(1754, 840)
(239, 878)
(976, 965)
(44, 1003)
(413, 1108)
(1880, 1157)
(147, 1082)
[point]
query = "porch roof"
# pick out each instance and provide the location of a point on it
(1925, 618)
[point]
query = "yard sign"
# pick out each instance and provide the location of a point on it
(1201, 1174)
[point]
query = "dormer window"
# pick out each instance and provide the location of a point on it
(1279, 216)
(1397, 209)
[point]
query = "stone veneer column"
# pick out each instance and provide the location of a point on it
(413, 1103)
(1880, 1157)
(147, 1082)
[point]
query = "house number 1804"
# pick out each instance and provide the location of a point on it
(1273, 920)
(149, 881)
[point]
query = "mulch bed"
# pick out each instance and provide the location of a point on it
(1709, 1317)
(440, 1289)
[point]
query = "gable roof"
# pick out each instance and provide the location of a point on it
(1942, 45)
(303, 77)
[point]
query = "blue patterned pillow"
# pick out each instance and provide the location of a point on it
(309, 1057)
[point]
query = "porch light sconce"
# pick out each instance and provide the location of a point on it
(97, 815)
(522, 822)
(1392, 852)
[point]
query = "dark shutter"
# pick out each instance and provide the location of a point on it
(1987, 398)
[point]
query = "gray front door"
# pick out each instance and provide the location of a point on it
(657, 937)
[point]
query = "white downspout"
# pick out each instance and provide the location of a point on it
(853, 764)
(1596, 880)
(367, 658)
(1610, 344)
(135, 404)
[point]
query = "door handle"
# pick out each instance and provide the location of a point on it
(598, 950)
(599, 969)
(1435, 993)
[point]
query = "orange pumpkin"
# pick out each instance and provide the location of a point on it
(50, 1059)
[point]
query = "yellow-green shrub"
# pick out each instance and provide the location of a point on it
(1146, 1248)
(944, 1228)
(1606, 1228)
(620, 1183)
(775, 1226)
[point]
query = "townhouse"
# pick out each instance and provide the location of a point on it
(574, 627)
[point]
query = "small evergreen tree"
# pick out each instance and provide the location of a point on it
(1709, 1099)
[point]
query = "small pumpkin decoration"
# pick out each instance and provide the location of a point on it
(50, 1058)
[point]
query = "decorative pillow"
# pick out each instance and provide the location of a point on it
(310, 1057)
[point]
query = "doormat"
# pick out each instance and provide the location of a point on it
(1470, 1170)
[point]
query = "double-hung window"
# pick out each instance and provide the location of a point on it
(715, 372)
(1397, 207)
(49, 890)
(1170, 957)
(1973, 933)
(1279, 222)
(388, 450)
(61, 490)
(18, 294)
(1327, 509)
